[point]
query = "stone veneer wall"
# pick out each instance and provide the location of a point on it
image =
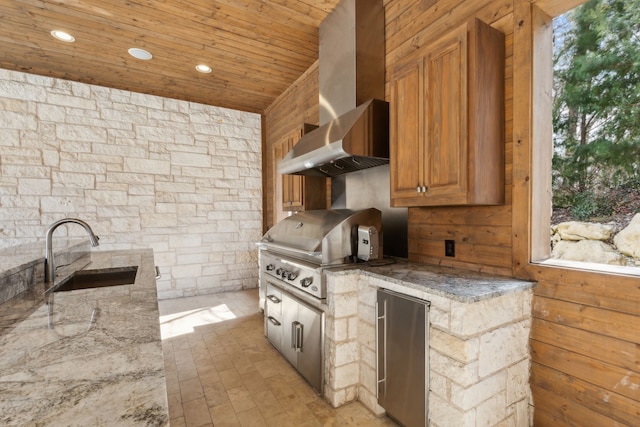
(145, 172)
(478, 353)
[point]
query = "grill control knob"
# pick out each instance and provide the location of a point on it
(291, 276)
(279, 271)
(306, 282)
(271, 267)
(284, 273)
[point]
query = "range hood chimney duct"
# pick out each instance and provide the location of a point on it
(354, 120)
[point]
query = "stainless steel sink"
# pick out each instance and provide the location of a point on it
(87, 279)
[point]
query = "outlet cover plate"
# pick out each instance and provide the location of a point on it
(450, 248)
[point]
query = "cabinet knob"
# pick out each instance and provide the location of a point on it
(418, 189)
(424, 188)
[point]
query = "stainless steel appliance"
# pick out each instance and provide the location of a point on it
(296, 330)
(293, 255)
(296, 250)
(402, 337)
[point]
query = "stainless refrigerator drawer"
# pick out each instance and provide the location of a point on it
(402, 350)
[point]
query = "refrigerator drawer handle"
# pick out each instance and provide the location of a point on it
(274, 299)
(381, 324)
(273, 320)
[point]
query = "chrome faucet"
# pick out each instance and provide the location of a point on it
(49, 264)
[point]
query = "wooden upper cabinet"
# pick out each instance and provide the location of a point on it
(297, 193)
(292, 197)
(447, 115)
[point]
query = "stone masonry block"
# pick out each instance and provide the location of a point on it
(440, 318)
(368, 294)
(368, 357)
(469, 397)
(518, 382)
(11, 120)
(343, 283)
(367, 334)
(443, 414)
(491, 411)
(368, 378)
(81, 133)
(464, 374)
(346, 376)
(439, 385)
(35, 186)
(154, 167)
(14, 89)
(353, 327)
(454, 347)
(190, 159)
(346, 352)
(344, 305)
(340, 330)
(474, 318)
(503, 347)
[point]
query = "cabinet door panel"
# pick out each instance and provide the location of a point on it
(407, 130)
(447, 139)
(310, 357)
(446, 112)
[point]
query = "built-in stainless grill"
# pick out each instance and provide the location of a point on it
(298, 248)
(293, 256)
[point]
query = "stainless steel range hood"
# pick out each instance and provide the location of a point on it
(356, 140)
(354, 120)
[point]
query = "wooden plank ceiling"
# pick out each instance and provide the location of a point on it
(256, 48)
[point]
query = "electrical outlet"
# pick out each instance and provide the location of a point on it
(450, 248)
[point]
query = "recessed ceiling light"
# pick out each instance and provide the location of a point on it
(140, 53)
(63, 36)
(202, 68)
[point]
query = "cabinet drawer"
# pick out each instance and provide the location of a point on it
(273, 301)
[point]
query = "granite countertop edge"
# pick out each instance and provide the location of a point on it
(457, 284)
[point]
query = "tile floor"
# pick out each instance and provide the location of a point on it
(221, 370)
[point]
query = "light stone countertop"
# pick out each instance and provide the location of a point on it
(461, 285)
(108, 370)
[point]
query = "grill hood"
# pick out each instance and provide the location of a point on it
(359, 139)
(321, 237)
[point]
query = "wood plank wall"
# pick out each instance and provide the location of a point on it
(585, 349)
(585, 339)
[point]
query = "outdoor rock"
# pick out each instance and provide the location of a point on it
(587, 251)
(575, 230)
(628, 240)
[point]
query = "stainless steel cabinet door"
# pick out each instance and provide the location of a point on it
(310, 332)
(289, 330)
(402, 357)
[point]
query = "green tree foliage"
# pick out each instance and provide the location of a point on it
(596, 101)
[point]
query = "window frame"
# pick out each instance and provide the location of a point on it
(533, 144)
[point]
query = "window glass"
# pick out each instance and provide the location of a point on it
(596, 134)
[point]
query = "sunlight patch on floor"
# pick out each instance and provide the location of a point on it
(185, 322)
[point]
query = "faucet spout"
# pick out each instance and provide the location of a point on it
(49, 264)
